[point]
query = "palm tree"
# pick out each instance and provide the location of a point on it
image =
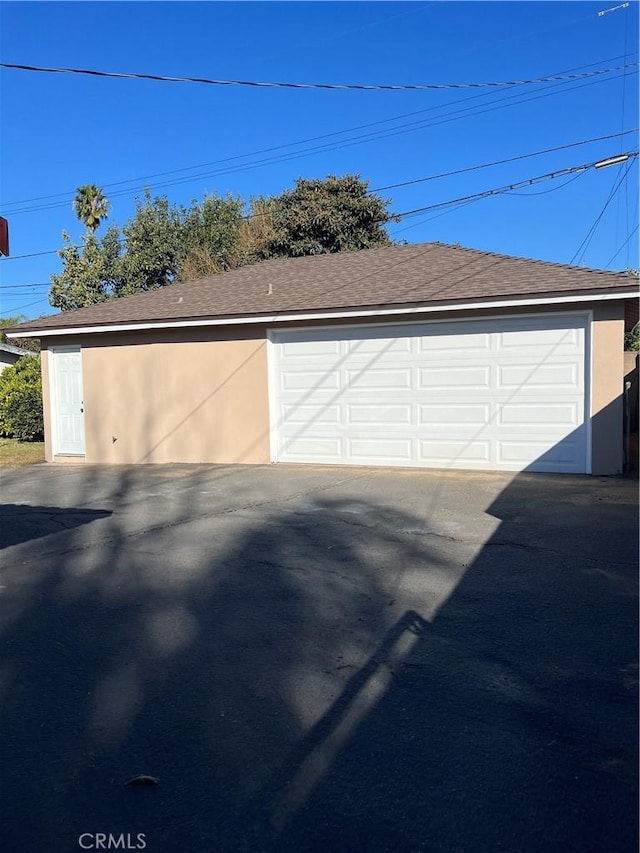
(91, 206)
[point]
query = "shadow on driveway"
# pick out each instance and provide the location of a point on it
(21, 522)
(358, 662)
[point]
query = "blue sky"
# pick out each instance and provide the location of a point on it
(61, 131)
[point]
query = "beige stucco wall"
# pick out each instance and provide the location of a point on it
(202, 395)
(175, 399)
(607, 385)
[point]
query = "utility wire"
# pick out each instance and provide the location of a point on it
(552, 190)
(30, 255)
(424, 220)
(28, 305)
(624, 91)
(582, 248)
(500, 190)
(320, 149)
(414, 181)
(333, 86)
(25, 286)
(626, 242)
(291, 144)
(484, 194)
(505, 160)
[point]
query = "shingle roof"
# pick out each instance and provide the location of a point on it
(395, 276)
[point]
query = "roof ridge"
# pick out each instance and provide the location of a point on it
(537, 261)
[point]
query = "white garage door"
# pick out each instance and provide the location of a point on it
(505, 394)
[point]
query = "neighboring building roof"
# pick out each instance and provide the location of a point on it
(13, 350)
(421, 274)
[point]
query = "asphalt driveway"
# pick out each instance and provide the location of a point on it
(318, 659)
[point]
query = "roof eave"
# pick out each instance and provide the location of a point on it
(551, 298)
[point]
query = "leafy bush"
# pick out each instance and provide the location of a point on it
(632, 339)
(21, 400)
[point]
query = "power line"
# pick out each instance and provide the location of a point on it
(622, 119)
(25, 286)
(500, 190)
(411, 127)
(424, 220)
(626, 242)
(484, 194)
(582, 248)
(505, 160)
(298, 142)
(28, 305)
(30, 255)
(333, 86)
(552, 190)
(401, 129)
(454, 172)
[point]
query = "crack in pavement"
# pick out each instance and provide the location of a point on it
(155, 528)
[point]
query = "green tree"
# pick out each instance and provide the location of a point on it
(31, 344)
(257, 232)
(90, 271)
(21, 400)
(153, 244)
(632, 339)
(331, 215)
(211, 234)
(9, 321)
(90, 206)
(163, 242)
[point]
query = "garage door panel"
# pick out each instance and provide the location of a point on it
(527, 453)
(379, 378)
(454, 414)
(540, 376)
(505, 394)
(541, 341)
(369, 449)
(455, 344)
(305, 380)
(314, 415)
(378, 346)
(445, 452)
(318, 447)
(533, 414)
(378, 414)
(454, 377)
(310, 349)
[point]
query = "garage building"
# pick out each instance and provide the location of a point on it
(426, 355)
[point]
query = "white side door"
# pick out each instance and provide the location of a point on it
(67, 401)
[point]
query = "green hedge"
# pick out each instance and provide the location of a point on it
(21, 400)
(632, 339)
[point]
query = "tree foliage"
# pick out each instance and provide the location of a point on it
(89, 273)
(152, 244)
(90, 206)
(9, 321)
(163, 243)
(31, 344)
(324, 216)
(21, 400)
(211, 233)
(632, 339)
